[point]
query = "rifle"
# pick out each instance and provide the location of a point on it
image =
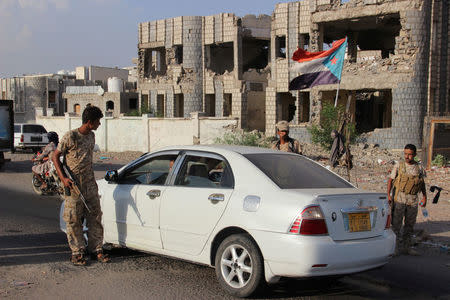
(75, 186)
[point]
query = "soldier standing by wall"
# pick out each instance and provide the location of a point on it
(286, 143)
(408, 177)
(77, 147)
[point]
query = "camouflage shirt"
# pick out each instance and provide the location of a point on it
(286, 147)
(78, 150)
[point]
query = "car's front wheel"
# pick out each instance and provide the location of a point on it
(239, 265)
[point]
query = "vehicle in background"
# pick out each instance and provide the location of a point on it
(29, 136)
(6, 128)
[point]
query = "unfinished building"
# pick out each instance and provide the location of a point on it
(214, 64)
(396, 68)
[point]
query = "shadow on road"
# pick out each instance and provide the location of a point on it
(19, 249)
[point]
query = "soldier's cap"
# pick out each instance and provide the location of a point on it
(283, 125)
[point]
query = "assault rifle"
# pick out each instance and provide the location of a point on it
(75, 186)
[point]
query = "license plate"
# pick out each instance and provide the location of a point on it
(36, 138)
(359, 222)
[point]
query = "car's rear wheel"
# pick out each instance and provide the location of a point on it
(239, 265)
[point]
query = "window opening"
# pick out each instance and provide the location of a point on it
(227, 105)
(206, 172)
(210, 105)
(220, 57)
(153, 172)
(280, 46)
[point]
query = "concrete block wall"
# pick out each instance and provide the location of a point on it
(409, 99)
(143, 133)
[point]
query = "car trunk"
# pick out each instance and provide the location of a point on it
(352, 214)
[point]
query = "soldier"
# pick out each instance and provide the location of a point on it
(408, 177)
(285, 143)
(77, 148)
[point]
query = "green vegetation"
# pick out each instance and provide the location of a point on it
(331, 118)
(245, 138)
(439, 161)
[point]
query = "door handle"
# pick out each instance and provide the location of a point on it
(154, 193)
(216, 197)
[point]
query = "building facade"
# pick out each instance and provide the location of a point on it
(395, 72)
(214, 64)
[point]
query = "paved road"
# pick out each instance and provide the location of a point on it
(34, 262)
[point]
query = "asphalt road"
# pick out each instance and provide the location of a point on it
(34, 262)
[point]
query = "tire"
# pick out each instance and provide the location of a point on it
(36, 185)
(239, 266)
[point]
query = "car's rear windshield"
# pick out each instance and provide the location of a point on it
(34, 129)
(16, 128)
(296, 172)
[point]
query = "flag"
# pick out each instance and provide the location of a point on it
(316, 68)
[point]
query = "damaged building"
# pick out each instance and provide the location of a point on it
(396, 68)
(216, 64)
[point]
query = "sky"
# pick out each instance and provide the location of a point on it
(45, 36)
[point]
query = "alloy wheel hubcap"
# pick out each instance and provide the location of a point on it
(236, 266)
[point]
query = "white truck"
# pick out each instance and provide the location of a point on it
(6, 128)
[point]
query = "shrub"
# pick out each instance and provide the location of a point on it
(245, 138)
(439, 161)
(331, 118)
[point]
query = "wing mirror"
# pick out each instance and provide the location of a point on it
(112, 176)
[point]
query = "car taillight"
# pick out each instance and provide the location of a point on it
(21, 138)
(310, 222)
(388, 222)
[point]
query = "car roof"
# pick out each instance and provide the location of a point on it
(224, 149)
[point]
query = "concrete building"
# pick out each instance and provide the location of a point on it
(397, 65)
(214, 64)
(396, 69)
(113, 102)
(96, 73)
(32, 91)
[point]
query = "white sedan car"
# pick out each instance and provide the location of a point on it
(254, 214)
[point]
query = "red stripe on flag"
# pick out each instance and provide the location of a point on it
(301, 55)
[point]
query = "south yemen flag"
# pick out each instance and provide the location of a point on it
(316, 68)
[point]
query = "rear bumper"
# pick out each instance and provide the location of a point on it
(289, 255)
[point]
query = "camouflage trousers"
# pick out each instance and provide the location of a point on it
(74, 214)
(405, 207)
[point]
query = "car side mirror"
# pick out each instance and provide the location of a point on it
(112, 176)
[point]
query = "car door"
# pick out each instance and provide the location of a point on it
(137, 200)
(194, 201)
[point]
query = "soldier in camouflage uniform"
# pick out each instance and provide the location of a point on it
(408, 177)
(77, 148)
(286, 143)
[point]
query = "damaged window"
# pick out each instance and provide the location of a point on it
(179, 54)
(179, 106)
(210, 105)
(285, 106)
(220, 57)
(373, 110)
(155, 62)
(160, 106)
(255, 54)
(303, 41)
(280, 46)
(227, 104)
(373, 33)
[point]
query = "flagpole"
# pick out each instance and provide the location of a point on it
(337, 93)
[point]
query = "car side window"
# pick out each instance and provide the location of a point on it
(199, 171)
(153, 171)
